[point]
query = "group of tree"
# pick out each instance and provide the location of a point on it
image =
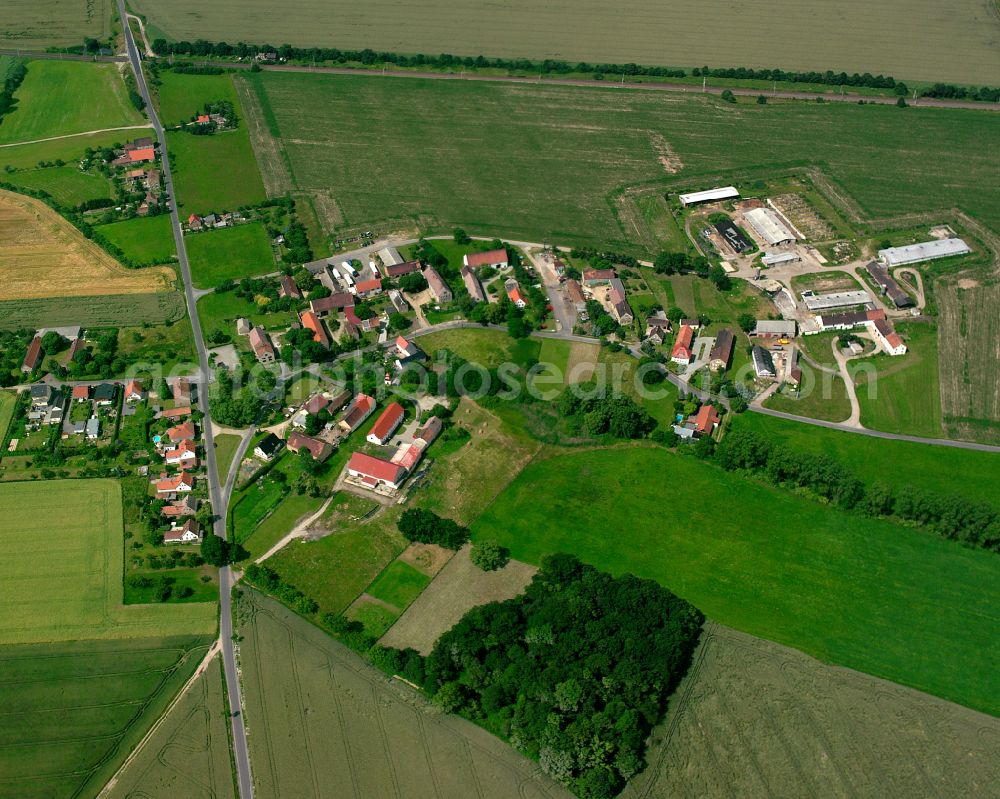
(828, 78)
(13, 345)
(267, 579)
(610, 414)
(236, 397)
(15, 75)
(575, 672)
(972, 522)
(426, 527)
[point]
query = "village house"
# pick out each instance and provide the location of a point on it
(288, 288)
(409, 454)
(33, 357)
(184, 454)
(705, 420)
(360, 409)
(774, 328)
(261, 345)
(398, 270)
(477, 260)
(407, 351)
(368, 288)
(620, 309)
(194, 222)
(365, 325)
(396, 298)
(319, 450)
(763, 363)
(168, 486)
(722, 351)
(387, 423)
(81, 393)
(187, 533)
(184, 391)
(186, 506)
(575, 293)
(438, 288)
(598, 277)
(681, 353)
(134, 392)
(335, 302)
(93, 428)
(181, 432)
(269, 446)
(243, 327)
(104, 393)
(472, 285)
(374, 472)
(514, 293)
(312, 322)
(886, 335)
(174, 413)
(658, 327)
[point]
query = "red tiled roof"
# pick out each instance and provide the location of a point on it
(598, 274)
(365, 286)
(388, 421)
(359, 410)
(174, 413)
(202, 119)
(133, 387)
(315, 404)
(683, 346)
(312, 322)
(181, 431)
(81, 392)
(34, 354)
(320, 450)
(515, 296)
(289, 288)
(706, 419)
(376, 468)
(142, 154)
(486, 258)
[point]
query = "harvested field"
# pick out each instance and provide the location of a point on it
(107, 311)
(905, 38)
(74, 710)
(32, 25)
(754, 718)
(319, 716)
(458, 588)
(189, 753)
(969, 360)
(42, 255)
(76, 527)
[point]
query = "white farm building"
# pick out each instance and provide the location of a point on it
(775, 258)
(768, 225)
(725, 193)
(925, 251)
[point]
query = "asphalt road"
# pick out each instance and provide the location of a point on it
(216, 494)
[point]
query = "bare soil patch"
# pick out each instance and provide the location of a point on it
(582, 361)
(428, 558)
(754, 718)
(968, 283)
(459, 587)
(665, 154)
(42, 255)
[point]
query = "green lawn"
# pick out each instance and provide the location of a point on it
(254, 504)
(870, 595)
(229, 254)
(27, 156)
(8, 401)
(899, 464)
(226, 445)
(220, 312)
(486, 347)
(148, 240)
(166, 345)
(66, 184)
(903, 396)
(399, 584)
(212, 173)
(63, 97)
(77, 526)
(821, 396)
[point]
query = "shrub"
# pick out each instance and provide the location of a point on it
(489, 555)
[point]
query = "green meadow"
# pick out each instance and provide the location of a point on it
(894, 602)
(64, 97)
(229, 254)
(146, 240)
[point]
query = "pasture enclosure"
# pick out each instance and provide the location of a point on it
(790, 723)
(457, 588)
(73, 529)
(29, 24)
(189, 751)
(64, 97)
(74, 710)
(43, 255)
(100, 311)
(229, 254)
(340, 722)
(767, 562)
(906, 38)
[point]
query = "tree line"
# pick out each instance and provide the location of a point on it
(15, 74)
(973, 523)
(574, 672)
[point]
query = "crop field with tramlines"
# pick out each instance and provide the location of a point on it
(32, 25)
(753, 717)
(319, 716)
(910, 39)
